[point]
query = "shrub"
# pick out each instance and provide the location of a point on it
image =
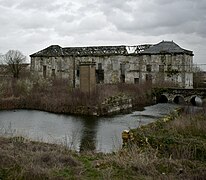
(23, 87)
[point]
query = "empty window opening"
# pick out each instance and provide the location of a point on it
(99, 75)
(122, 73)
(53, 73)
(122, 78)
(149, 68)
(99, 66)
(44, 71)
(122, 69)
(78, 71)
(136, 80)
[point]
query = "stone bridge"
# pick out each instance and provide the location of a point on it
(196, 97)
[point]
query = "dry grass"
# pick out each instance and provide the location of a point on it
(190, 125)
(135, 159)
(56, 95)
(32, 160)
(172, 150)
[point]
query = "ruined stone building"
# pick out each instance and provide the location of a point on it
(165, 61)
(199, 79)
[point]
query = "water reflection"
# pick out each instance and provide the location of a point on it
(79, 133)
(88, 139)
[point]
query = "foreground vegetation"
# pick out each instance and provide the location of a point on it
(56, 95)
(171, 148)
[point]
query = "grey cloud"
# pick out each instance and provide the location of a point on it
(148, 17)
(116, 4)
(14, 21)
(39, 5)
(66, 17)
(39, 23)
(91, 23)
(87, 24)
(10, 3)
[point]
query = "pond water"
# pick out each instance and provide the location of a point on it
(102, 134)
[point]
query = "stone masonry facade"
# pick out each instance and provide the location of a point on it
(165, 61)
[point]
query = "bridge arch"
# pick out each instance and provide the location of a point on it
(162, 99)
(196, 100)
(179, 99)
(196, 97)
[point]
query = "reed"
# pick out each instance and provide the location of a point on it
(56, 95)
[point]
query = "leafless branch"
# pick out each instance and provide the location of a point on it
(14, 60)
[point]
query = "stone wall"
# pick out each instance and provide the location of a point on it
(116, 104)
(175, 68)
(121, 68)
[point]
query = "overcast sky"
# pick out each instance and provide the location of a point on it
(31, 25)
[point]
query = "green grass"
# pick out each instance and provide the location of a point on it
(90, 172)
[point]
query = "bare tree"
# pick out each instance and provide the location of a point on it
(14, 60)
(1, 58)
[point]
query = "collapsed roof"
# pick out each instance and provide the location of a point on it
(57, 51)
(162, 47)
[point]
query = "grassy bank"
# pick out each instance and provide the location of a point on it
(171, 148)
(56, 95)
